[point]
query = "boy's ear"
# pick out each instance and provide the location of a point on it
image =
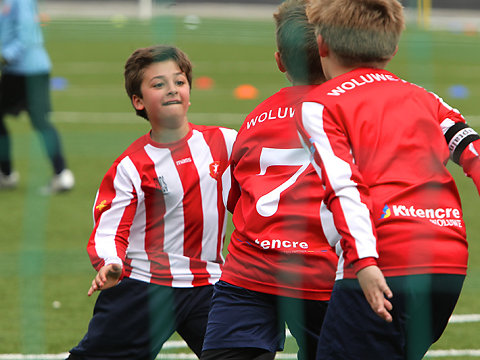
(280, 65)
(137, 102)
(323, 48)
(395, 52)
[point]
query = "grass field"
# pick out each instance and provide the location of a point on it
(43, 239)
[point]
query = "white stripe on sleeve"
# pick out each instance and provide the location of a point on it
(357, 214)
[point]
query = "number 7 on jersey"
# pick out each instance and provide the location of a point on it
(267, 205)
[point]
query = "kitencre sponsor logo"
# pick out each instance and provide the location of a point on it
(437, 216)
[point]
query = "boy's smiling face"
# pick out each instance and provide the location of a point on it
(165, 96)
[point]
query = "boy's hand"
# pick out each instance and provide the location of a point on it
(376, 289)
(106, 277)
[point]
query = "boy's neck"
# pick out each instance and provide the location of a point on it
(166, 135)
(333, 68)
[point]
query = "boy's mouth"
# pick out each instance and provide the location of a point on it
(172, 102)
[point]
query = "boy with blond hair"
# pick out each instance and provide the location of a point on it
(380, 145)
(159, 220)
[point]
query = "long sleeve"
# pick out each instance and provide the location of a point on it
(463, 141)
(114, 209)
(470, 162)
(346, 195)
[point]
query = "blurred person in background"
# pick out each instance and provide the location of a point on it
(25, 85)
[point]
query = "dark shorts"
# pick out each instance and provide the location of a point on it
(25, 92)
(134, 319)
(422, 306)
(241, 318)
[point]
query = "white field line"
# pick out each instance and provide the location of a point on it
(130, 117)
(464, 318)
(452, 353)
(180, 344)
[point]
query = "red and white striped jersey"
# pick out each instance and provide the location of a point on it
(159, 209)
(381, 145)
(278, 245)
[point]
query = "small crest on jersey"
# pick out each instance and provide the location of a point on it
(101, 206)
(161, 184)
(214, 169)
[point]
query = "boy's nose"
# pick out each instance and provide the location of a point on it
(172, 91)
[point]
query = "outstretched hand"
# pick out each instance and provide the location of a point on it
(106, 277)
(376, 291)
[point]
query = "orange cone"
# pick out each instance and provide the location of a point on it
(204, 83)
(245, 92)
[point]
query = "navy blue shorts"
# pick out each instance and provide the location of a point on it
(422, 306)
(134, 319)
(242, 318)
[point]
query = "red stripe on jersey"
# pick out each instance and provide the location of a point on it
(220, 156)
(192, 201)
(155, 216)
(123, 230)
(192, 209)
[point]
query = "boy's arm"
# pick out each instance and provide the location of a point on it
(347, 197)
(107, 277)
(463, 141)
(231, 189)
(470, 162)
(375, 288)
(114, 210)
(464, 145)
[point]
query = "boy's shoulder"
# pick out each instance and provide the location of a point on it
(214, 130)
(134, 147)
(358, 81)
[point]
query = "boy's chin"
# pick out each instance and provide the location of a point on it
(174, 121)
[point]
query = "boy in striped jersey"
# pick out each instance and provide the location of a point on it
(380, 145)
(159, 220)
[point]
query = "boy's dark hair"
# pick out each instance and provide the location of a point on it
(297, 43)
(144, 57)
(358, 31)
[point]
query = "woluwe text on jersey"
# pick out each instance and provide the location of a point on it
(279, 113)
(359, 81)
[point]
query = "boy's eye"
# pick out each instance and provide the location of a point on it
(159, 85)
(180, 82)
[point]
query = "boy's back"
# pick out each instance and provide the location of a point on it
(279, 246)
(381, 146)
(395, 154)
